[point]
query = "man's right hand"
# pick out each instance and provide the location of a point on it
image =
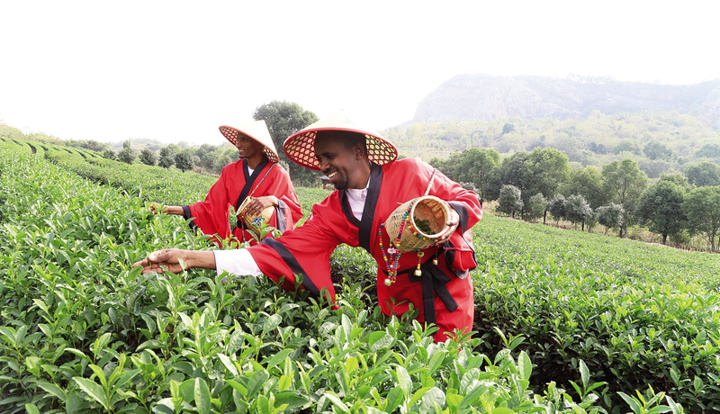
(159, 208)
(172, 260)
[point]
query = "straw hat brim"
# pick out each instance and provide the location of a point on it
(258, 132)
(300, 147)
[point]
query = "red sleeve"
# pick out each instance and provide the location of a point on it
(211, 215)
(460, 250)
(305, 251)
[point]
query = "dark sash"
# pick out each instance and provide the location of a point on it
(249, 181)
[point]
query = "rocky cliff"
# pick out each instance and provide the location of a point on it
(480, 97)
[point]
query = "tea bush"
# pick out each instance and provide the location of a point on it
(638, 315)
(82, 332)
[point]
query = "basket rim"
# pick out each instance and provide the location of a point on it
(444, 206)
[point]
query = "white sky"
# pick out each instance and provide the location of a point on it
(176, 70)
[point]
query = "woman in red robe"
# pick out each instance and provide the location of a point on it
(258, 175)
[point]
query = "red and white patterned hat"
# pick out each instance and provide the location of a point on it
(256, 130)
(300, 146)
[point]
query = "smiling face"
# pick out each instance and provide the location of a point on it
(247, 147)
(343, 158)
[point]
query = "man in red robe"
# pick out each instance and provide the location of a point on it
(371, 185)
(258, 175)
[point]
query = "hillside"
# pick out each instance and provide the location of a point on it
(659, 141)
(481, 97)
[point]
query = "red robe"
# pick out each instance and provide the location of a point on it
(307, 249)
(212, 215)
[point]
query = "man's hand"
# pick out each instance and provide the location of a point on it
(259, 204)
(156, 208)
(159, 208)
(452, 223)
(172, 260)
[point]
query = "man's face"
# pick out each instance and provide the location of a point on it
(336, 161)
(247, 147)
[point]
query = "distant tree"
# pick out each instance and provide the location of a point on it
(557, 208)
(708, 151)
(515, 171)
(205, 149)
(660, 208)
(491, 191)
(509, 201)
(507, 128)
(147, 157)
(629, 146)
(222, 162)
(184, 161)
(703, 174)
(476, 166)
(109, 154)
(677, 179)
(167, 158)
(449, 166)
(623, 184)
(610, 216)
(126, 155)
(547, 168)
(587, 182)
(702, 208)
(577, 210)
(93, 145)
(537, 207)
(284, 119)
(658, 151)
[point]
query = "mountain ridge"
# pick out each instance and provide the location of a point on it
(485, 97)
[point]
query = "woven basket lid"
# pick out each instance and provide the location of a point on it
(256, 130)
(300, 146)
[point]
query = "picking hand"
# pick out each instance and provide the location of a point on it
(162, 260)
(156, 208)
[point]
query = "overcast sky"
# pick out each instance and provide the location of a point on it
(176, 70)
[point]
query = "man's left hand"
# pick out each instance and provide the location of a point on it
(452, 222)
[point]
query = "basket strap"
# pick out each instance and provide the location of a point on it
(432, 178)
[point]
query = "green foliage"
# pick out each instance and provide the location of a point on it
(660, 208)
(610, 216)
(587, 182)
(702, 207)
(510, 200)
(556, 207)
(658, 151)
(624, 183)
(109, 154)
(537, 207)
(184, 161)
(284, 119)
(637, 315)
(167, 157)
(703, 174)
(577, 210)
(147, 157)
(126, 155)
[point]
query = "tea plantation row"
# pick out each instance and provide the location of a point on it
(80, 332)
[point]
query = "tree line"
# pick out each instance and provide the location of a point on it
(282, 118)
(616, 195)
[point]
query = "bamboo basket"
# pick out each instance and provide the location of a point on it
(427, 208)
(253, 222)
